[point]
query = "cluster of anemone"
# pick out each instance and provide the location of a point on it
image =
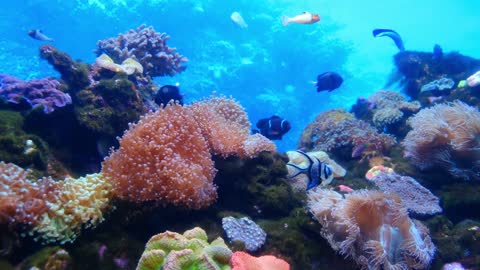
(445, 136)
(372, 228)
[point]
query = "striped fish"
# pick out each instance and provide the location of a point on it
(316, 171)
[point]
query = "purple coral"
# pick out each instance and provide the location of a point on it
(416, 198)
(244, 230)
(148, 47)
(44, 92)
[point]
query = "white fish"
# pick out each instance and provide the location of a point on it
(304, 18)
(238, 19)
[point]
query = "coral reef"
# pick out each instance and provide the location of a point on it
(170, 250)
(166, 156)
(48, 258)
(372, 228)
(128, 66)
(244, 261)
(420, 68)
(244, 230)
(148, 47)
(416, 198)
(225, 126)
(389, 107)
(334, 129)
(54, 210)
(19, 147)
(446, 136)
(258, 187)
(108, 106)
(46, 92)
(75, 74)
(442, 84)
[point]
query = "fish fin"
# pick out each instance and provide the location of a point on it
(312, 184)
(300, 170)
(285, 20)
(305, 155)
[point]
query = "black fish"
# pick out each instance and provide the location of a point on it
(391, 34)
(167, 93)
(328, 81)
(274, 127)
(317, 171)
(437, 52)
(37, 34)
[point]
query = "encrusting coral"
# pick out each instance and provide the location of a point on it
(333, 129)
(373, 228)
(390, 107)
(188, 251)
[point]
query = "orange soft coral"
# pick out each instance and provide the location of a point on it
(372, 228)
(166, 156)
(243, 261)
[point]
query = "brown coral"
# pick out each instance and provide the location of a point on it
(336, 128)
(390, 107)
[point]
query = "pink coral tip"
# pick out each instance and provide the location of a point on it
(243, 261)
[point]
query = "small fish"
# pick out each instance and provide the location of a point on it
(167, 93)
(344, 188)
(316, 171)
(273, 128)
(437, 52)
(391, 34)
(37, 34)
(304, 18)
(238, 19)
(328, 81)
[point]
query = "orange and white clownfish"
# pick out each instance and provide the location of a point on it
(304, 18)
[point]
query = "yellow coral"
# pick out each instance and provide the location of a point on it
(78, 202)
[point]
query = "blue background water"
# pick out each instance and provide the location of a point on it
(267, 67)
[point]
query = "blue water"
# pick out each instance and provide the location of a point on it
(267, 67)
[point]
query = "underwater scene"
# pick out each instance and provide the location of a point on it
(243, 135)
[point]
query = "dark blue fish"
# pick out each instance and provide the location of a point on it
(328, 81)
(391, 34)
(437, 52)
(167, 93)
(316, 171)
(274, 127)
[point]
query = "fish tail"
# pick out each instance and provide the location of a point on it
(285, 20)
(299, 170)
